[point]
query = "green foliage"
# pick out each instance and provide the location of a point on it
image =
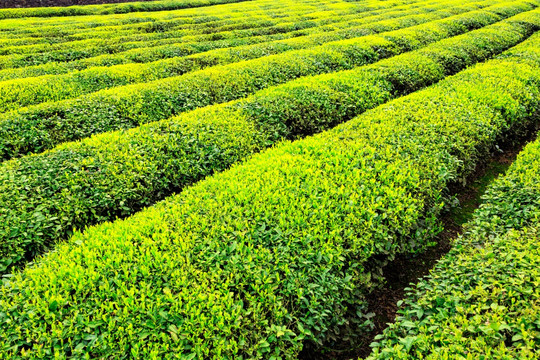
(29, 91)
(109, 8)
(482, 299)
(86, 44)
(43, 126)
(256, 260)
(116, 174)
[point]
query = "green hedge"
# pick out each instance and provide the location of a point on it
(90, 27)
(256, 260)
(113, 41)
(140, 37)
(169, 47)
(145, 20)
(213, 17)
(45, 125)
(88, 182)
(23, 92)
(110, 8)
(102, 40)
(482, 298)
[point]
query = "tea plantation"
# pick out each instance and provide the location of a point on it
(227, 179)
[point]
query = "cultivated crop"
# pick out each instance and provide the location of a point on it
(125, 171)
(229, 179)
(482, 299)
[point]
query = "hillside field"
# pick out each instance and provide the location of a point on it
(284, 179)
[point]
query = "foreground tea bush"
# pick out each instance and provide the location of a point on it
(23, 92)
(256, 260)
(483, 298)
(43, 126)
(44, 197)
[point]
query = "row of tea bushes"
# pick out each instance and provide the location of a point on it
(274, 252)
(105, 40)
(29, 91)
(46, 125)
(78, 27)
(170, 47)
(228, 16)
(162, 5)
(113, 42)
(44, 197)
(483, 298)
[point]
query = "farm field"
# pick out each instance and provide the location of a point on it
(225, 179)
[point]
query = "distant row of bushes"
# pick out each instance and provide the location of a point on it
(57, 3)
(71, 44)
(148, 51)
(29, 91)
(108, 8)
(46, 125)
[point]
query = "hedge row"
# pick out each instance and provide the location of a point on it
(84, 49)
(225, 16)
(55, 33)
(45, 125)
(24, 92)
(139, 37)
(139, 40)
(110, 9)
(72, 29)
(348, 14)
(111, 44)
(195, 15)
(256, 260)
(43, 197)
(153, 51)
(87, 21)
(147, 31)
(79, 29)
(481, 299)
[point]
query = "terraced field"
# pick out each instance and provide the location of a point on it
(222, 179)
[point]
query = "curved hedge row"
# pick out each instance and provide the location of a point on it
(168, 48)
(52, 34)
(77, 32)
(152, 31)
(24, 92)
(256, 260)
(75, 27)
(89, 21)
(43, 197)
(168, 22)
(83, 49)
(108, 42)
(110, 9)
(45, 125)
(112, 40)
(481, 299)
